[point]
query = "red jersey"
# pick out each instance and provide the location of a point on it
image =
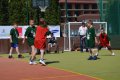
(104, 40)
(40, 37)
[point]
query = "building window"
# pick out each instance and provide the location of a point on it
(86, 12)
(62, 13)
(94, 6)
(70, 13)
(104, 5)
(95, 12)
(86, 6)
(62, 20)
(77, 6)
(77, 13)
(70, 19)
(69, 6)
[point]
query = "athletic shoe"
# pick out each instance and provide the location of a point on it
(42, 62)
(55, 51)
(10, 56)
(20, 56)
(113, 54)
(95, 58)
(96, 54)
(32, 63)
(90, 58)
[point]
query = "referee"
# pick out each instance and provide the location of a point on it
(82, 32)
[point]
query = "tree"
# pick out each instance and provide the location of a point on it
(4, 15)
(52, 14)
(21, 11)
(17, 11)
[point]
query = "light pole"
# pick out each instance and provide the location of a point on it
(101, 9)
(66, 7)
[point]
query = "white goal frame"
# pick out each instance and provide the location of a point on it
(69, 33)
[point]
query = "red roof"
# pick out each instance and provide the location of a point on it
(88, 16)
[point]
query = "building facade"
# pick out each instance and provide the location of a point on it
(79, 10)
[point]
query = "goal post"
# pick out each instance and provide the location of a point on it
(72, 39)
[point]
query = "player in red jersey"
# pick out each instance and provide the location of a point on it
(104, 41)
(40, 39)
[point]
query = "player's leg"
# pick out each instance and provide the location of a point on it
(17, 50)
(32, 56)
(94, 51)
(10, 53)
(110, 49)
(90, 51)
(55, 45)
(98, 49)
(81, 44)
(11, 49)
(42, 57)
(91, 54)
(49, 47)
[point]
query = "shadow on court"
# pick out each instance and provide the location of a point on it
(52, 62)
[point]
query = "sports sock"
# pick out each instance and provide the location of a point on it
(31, 59)
(10, 54)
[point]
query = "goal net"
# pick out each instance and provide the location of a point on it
(71, 34)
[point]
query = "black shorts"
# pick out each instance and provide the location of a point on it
(100, 47)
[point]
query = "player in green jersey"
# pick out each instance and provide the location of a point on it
(14, 40)
(30, 34)
(91, 40)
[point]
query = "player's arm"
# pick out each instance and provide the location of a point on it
(26, 33)
(24, 39)
(109, 43)
(18, 34)
(85, 35)
(47, 33)
(34, 31)
(11, 32)
(96, 41)
(10, 39)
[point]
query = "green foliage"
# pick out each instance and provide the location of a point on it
(16, 11)
(4, 12)
(113, 16)
(52, 14)
(21, 11)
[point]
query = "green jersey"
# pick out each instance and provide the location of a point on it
(14, 35)
(91, 37)
(30, 34)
